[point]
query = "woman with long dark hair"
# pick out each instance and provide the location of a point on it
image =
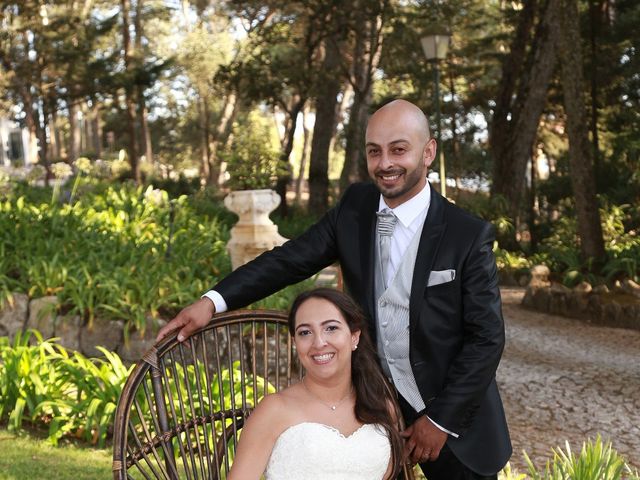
(340, 421)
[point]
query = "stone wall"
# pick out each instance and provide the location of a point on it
(72, 331)
(616, 307)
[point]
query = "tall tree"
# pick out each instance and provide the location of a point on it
(304, 157)
(326, 104)
(526, 75)
(228, 113)
(281, 64)
(216, 100)
(143, 112)
(129, 87)
(22, 63)
(580, 150)
(368, 18)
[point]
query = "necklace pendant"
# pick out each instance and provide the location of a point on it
(333, 407)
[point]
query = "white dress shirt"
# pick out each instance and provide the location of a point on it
(411, 215)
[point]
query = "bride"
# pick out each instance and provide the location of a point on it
(338, 422)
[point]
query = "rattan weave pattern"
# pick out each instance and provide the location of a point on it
(183, 405)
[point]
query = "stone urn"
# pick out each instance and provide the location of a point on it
(254, 233)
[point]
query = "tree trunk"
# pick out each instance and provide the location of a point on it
(205, 153)
(143, 120)
(129, 94)
(304, 158)
(512, 67)
(96, 129)
(368, 45)
(221, 136)
(85, 128)
(580, 150)
(594, 30)
(54, 141)
(143, 112)
(287, 147)
(532, 213)
(455, 144)
(75, 132)
(33, 140)
(517, 115)
(41, 132)
(32, 129)
(326, 103)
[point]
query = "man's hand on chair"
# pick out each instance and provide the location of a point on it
(190, 318)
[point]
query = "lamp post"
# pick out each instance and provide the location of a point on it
(435, 46)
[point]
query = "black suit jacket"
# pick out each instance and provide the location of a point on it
(457, 330)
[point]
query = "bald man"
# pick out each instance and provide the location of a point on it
(423, 271)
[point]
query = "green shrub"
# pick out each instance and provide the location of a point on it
(45, 384)
(510, 261)
(26, 377)
(252, 161)
(492, 209)
(596, 461)
(122, 253)
(295, 223)
(560, 251)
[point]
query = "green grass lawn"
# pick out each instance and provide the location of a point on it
(25, 457)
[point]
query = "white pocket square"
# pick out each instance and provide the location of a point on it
(437, 277)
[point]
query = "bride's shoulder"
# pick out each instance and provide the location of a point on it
(279, 409)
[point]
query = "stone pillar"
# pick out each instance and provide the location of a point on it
(537, 294)
(540, 276)
(254, 233)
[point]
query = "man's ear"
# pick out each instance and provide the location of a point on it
(429, 152)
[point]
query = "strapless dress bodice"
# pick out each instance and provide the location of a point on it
(314, 451)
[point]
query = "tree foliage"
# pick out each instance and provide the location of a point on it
(196, 68)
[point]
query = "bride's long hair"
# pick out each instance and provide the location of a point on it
(375, 400)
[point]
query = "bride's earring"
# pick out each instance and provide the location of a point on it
(355, 347)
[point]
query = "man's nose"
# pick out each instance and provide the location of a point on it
(385, 161)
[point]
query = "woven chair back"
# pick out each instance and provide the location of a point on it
(183, 405)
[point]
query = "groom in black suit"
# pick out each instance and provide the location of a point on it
(454, 334)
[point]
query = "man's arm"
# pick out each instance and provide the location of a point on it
(290, 263)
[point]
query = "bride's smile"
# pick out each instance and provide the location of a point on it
(324, 358)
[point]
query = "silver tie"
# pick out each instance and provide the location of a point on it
(386, 223)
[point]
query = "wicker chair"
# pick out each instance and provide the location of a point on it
(183, 405)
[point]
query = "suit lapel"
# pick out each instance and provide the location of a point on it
(432, 231)
(366, 241)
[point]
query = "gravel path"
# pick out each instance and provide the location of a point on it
(563, 380)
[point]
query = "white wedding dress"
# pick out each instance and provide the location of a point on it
(313, 451)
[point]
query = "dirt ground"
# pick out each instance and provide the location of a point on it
(564, 380)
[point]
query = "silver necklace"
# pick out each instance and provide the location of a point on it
(329, 406)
